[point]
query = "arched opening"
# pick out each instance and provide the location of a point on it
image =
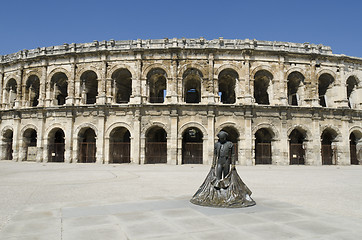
(156, 80)
(59, 88)
(227, 80)
(32, 91)
(29, 143)
(156, 146)
(296, 147)
(295, 83)
(8, 145)
(351, 92)
(324, 86)
(192, 85)
(262, 81)
(11, 92)
(56, 145)
(87, 146)
(328, 151)
(192, 145)
(355, 146)
(233, 136)
(89, 87)
(120, 143)
(122, 85)
(263, 149)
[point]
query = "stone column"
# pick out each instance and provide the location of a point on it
(16, 139)
(100, 137)
(41, 139)
(248, 87)
(110, 96)
(136, 138)
(136, 82)
(172, 83)
(247, 141)
(316, 143)
(76, 141)
(70, 99)
(341, 99)
(106, 149)
(172, 141)
(68, 154)
(43, 84)
(101, 97)
(311, 85)
(45, 150)
(209, 140)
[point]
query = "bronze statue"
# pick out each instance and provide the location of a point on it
(223, 187)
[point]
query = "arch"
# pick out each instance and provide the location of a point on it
(89, 86)
(326, 71)
(56, 145)
(228, 124)
(227, 80)
(11, 91)
(260, 68)
(192, 146)
(229, 66)
(263, 147)
(82, 69)
(325, 83)
(58, 70)
(148, 126)
(120, 145)
(355, 145)
(32, 90)
(15, 76)
(297, 137)
(26, 127)
(295, 69)
(333, 129)
(156, 145)
(59, 87)
(149, 68)
(51, 128)
(120, 66)
(192, 82)
(270, 127)
(197, 66)
(32, 72)
(192, 125)
(30, 139)
(157, 85)
(306, 132)
(357, 130)
(329, 151)
(87, 138)
(295, 81)
(121, 85)
(79, 130)
(5, 129)
(118, 125)
(351, 88)
(262, 83)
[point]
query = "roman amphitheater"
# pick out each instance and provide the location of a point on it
(164, 101)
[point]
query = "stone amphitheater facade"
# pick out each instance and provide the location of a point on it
(164, 101)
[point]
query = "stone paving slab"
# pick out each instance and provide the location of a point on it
(178, 219)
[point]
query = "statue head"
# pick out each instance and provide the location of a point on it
(222, 136)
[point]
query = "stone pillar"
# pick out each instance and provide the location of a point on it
(316, 143)
(45, 149)
(136, 82)
(172, 83)
(100, 137)
(2, 86)
(248, 97)
(16, 139)
(43, 85)
(106, 149)
(283, 142)
(41, 139)
(342, 144)
(110, 96)
(101, 97)
(76, 141)
(311, 85)
(136, 138)
(70, 99)
(247, 141)
(209, 140)
(340, 93)
(172, 141)
(68, 154)
(142, 149)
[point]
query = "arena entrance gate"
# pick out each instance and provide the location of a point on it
(296, 149)
(156, 146)
(57, 147)
(8, 145)
(87, 147)
(328, 155)
(119, 149)
(353, 149)
(192, 146)
(263, 150)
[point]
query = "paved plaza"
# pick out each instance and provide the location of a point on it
(92, 201)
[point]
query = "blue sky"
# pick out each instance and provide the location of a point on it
(39, 23)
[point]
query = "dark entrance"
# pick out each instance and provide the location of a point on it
(119, 149)
(296, 150)
(192, 144)
(327, 152)
(263, 151)
(156, 146)
(87, 146)
(56, 147)
(233, 137)
(8, 145)
(353, 149)
(30, 139)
